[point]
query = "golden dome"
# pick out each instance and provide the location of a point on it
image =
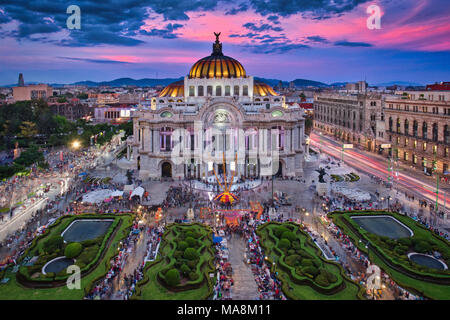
(217, 65)
(263, 89)
(175, 89)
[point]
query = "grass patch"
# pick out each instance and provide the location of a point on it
(304, 273)
(187, 249)
(13, 290)
(391, 254)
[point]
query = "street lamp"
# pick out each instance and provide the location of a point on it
(76, 144)
(388, 199)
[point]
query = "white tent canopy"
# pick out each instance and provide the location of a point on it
(117, 193)
(139, 191)
(97, 196)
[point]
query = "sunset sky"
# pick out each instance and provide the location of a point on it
(322, 40)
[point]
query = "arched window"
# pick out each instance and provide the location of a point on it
(406, 127)
(390, 123)
(236, 90)
(200, 91)
(446, 134)
(424, 130)
(415, 128)
(435, 132)
(165, 139)
(398, 125)
(218, 91)
(209, 90)
(245, 90)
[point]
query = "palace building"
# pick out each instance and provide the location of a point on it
(220, 118)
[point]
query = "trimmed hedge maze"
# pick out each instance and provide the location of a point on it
(304, 273)
(29, 283)
(183, 267)
(392, 254)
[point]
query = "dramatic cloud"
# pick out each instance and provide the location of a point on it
(95, 60)
(274, 47)
(166, 33)
(352, 44)
(316, 8)
(242, 8)
(317, 39)
(262, 27)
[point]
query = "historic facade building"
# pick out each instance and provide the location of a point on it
(352, 118)
(418, 129)
(217, 117)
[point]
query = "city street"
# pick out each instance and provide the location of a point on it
(374, 165)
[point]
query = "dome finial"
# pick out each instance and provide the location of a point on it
(217, 46)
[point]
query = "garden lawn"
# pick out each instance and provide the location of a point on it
(424, 288)
(150, 288)
(13, 290)
(295, 290)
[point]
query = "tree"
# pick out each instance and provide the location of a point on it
(173, 277)
(28, 130)
(73, 250)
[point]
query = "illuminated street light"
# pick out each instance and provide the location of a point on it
(76, 144)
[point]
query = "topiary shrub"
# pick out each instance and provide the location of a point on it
(307, 262)
(190, 254)
(288, 235)
(185, 269)
(284, 244)
(193, 276)
(191, 264)
(292, 260)
(400, 250)
(291, 251)
(404, 241)
(173, 277)
(53, 244)
(422, 246)
(310, 270)
(331, 277)
(73, 250)
(191, 242)
(279, 231)
(322, 280)
(296, 245)
(178, 254)
(182, 245)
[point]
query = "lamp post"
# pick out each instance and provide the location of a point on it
(382, 202)
(389, 206)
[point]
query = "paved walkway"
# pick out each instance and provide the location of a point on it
(245, 287)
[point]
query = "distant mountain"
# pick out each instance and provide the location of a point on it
(308, 83)
(297, 82)
(399, 83)
(147, 82)
(272, 82)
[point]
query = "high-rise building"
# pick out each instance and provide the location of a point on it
(21, 83)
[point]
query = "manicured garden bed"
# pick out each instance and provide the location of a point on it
(93, 259)
(304, 273)
(183, 267)
(392, 254)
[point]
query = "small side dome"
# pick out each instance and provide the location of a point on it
(175, 89)
(263, 89)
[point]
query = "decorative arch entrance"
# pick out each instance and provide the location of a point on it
(166, 170)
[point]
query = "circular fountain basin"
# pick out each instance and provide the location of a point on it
(57, 264)
(427, 261)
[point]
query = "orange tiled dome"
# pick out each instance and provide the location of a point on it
(175, 89)
(217, 65)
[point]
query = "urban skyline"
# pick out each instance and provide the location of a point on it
(329, 42)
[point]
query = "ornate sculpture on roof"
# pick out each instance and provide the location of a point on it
(217, 46)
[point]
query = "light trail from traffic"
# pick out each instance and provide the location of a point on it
(376, 168)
